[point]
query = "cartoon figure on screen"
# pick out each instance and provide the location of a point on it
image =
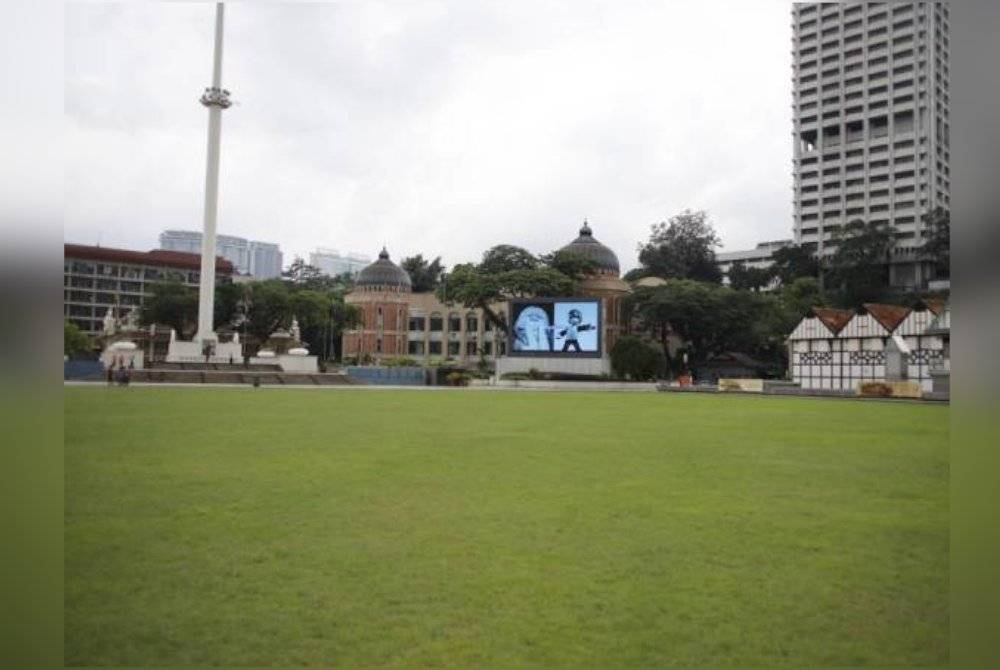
(572, 331)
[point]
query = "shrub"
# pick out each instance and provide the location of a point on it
(457, 379)
(400, 362)
(515, 376)
(632, 358)
(534, 373)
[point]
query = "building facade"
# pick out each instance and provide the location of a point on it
(260, 260)
(839, 349)
(398, 322)
(331, 262)
(871, 123)
(96, 279)
(758, 257)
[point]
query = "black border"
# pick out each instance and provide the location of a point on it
(554, 354)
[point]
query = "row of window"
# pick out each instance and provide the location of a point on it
(436, 323)
(436, 348)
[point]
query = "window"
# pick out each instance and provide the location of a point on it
(416, 348)
(454, 322)
(471, 322)
(454, 348)
(417, 323)
(470, 348)
(437, 324)
(434, 347)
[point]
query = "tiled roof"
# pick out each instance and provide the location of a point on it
(159, 257)
(834, 319)
(935, 305)
(889, 316)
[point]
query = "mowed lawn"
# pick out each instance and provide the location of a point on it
(462, 528)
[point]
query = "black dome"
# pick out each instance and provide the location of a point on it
(585, 245)
(383, 272)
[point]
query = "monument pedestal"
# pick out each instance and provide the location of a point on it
(191, 352)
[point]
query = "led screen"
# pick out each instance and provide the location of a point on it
(555, 326)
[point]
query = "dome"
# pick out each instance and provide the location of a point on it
(585, 245)
(383, 273)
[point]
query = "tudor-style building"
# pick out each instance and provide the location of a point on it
(837, 349)
(398, 322)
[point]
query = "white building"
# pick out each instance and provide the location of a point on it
(758, 257)
(871, 122)
(260, 260)
(331, 262)
(837, 349)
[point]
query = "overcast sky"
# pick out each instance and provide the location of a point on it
(439, 128)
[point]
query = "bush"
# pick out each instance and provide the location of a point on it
(533, 373)
(457, 379)
(400, 362)
(515, 376)
(633, 359)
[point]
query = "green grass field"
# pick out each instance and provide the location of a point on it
(463, 528)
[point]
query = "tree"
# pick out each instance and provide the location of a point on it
(172, 304)
(506, 272)
(937, 234)
(743, 278)
(632, 358)
(507, 257)
(569, 263)
(270, 308)
(342, 317)
(75, 341)
(424, 275)
(860, 266)
(792, 262)
(682, 248)
(227, 304)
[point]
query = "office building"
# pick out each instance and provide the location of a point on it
(98, 278)
(260, 260)
(871, 123)
(758, 257)
(331, 262)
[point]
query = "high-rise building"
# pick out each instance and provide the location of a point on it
(260, 260)
(331, 262)
(871, 123)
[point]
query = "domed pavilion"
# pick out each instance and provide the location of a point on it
(381, 291)
(603, 282)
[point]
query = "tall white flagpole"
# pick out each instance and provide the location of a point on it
(216, 99)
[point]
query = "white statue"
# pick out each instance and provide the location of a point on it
(132, 320)
(236, 338)
(173, 335)
(295, 329)
(109, 322)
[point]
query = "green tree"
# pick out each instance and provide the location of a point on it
(227, 304)
(937, 236)
(682, 248)
(632, 358)
(859, 268)
(506, 272)
(75, 341)
(172, 304)
(569, 263)
(744, 278)
(794, 261)
(424, 275)
(270, 308)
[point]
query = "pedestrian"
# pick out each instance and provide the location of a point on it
(111, 373)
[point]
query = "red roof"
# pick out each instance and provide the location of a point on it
(889, 316)
(935, 305)
(834, 319)
(159, 257)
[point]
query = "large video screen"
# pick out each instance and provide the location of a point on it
(555, 327)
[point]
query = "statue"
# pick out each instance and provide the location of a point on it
(295, 329)
(236, 338)
(132, 320)
(109, 322)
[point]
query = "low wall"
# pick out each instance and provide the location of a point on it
(574, 385)
(568, 366)
(890, 389)
(182, 351)
(83, 370)
(388, 376)
(742, 385)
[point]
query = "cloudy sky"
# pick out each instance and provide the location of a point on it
(439, 128)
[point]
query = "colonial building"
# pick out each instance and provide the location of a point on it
(398, 322)
(838, 349)
(96, 279)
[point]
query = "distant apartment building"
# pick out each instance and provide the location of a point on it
(331, 262)
(871, 123)
(758, 257)
(98, 278)
(260, 260)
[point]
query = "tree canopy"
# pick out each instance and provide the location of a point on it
(424, 275)
(859, 268)
(682, 247)
(937, 236)
(793, 262)
(75, 341)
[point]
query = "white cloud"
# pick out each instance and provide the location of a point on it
(436, 128)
